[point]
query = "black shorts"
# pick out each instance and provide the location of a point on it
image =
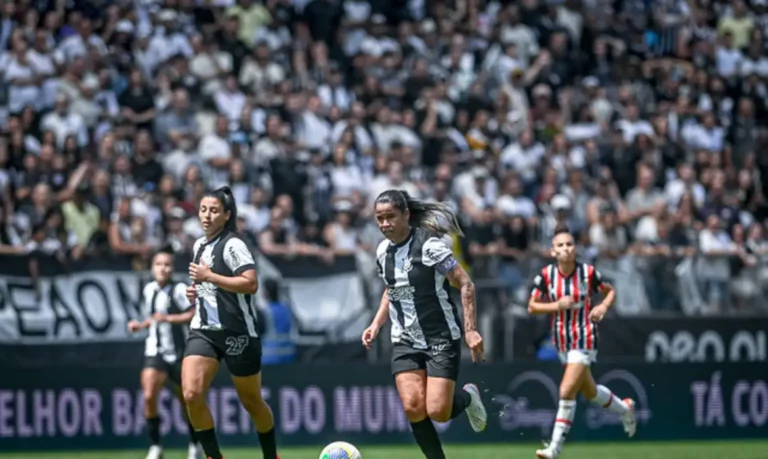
(440, 361)
(173, 370)
(242, 353)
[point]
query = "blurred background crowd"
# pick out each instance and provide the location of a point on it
(641, 123)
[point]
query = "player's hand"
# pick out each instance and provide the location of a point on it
(199, 272)
(565, 303)
(160, 317)
(369, 336)
(191, 293)
(134, 326)
(597, 313)
(475, 344)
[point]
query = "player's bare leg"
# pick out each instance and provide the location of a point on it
(445, 403)
(197, 372)
(249, 391)
(412, 387)
(570, 386)
(152, 381)
(601, 395)
(194, 450)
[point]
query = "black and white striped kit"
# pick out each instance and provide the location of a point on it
(421, 310)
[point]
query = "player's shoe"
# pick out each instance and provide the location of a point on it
(629, 420)
(155, 452)
(549, 452)
(195, 451)
(478, 417)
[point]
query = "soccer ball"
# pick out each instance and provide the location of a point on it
(340, 450)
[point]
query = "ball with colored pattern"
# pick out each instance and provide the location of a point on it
(340, 450)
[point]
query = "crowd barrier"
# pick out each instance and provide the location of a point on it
(102, 409)
(645, 285)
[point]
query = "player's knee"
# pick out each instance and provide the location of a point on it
(567, 392)
(150, 396)
(440, 412)
(193, 396)
(415, 409)
(589, 391)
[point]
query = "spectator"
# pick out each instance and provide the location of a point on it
(609, 238)
(276, 240)
(125, 234)
(82, 218)
(717, 246)
(339, 234)
(63, 122)
(277, 340)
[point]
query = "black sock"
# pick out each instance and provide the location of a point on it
(192, 434)
(153, 429)
(461, 400)
(209, 443)
(268, 444)
(427, 439)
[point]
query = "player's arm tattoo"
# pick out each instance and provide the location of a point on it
(459, 278)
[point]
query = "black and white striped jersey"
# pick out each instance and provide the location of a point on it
(420, 305)
(165, 340)
(218, 309)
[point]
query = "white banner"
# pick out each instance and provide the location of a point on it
(72, 308)
(334, 304)
(97, 305)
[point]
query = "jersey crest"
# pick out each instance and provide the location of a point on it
(208, 257)
(407, 265)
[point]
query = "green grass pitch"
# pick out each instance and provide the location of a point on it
(623, 450)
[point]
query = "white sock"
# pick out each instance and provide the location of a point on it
(566, 411)
(608, 401)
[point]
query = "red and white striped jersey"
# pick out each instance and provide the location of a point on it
(571, 329)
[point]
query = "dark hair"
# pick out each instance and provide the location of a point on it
(561, 228)
(227, 200)
(434, 216)
(164, 250)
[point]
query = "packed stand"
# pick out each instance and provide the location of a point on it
(641, 124)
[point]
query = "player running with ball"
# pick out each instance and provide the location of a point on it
(417, 266)
(564, 289)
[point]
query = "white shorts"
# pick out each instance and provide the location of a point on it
(580, 356)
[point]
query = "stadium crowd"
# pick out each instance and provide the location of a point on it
(640, 123)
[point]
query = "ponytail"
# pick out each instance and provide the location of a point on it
(433, 216)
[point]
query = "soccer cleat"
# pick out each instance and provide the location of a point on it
(194, 451)
(478, 417)
(629, 420)
(549, 452)
(155, 452)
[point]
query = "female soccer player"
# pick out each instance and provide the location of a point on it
(417, 265)
(224, 324)
(564, 290)
(167, 310)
